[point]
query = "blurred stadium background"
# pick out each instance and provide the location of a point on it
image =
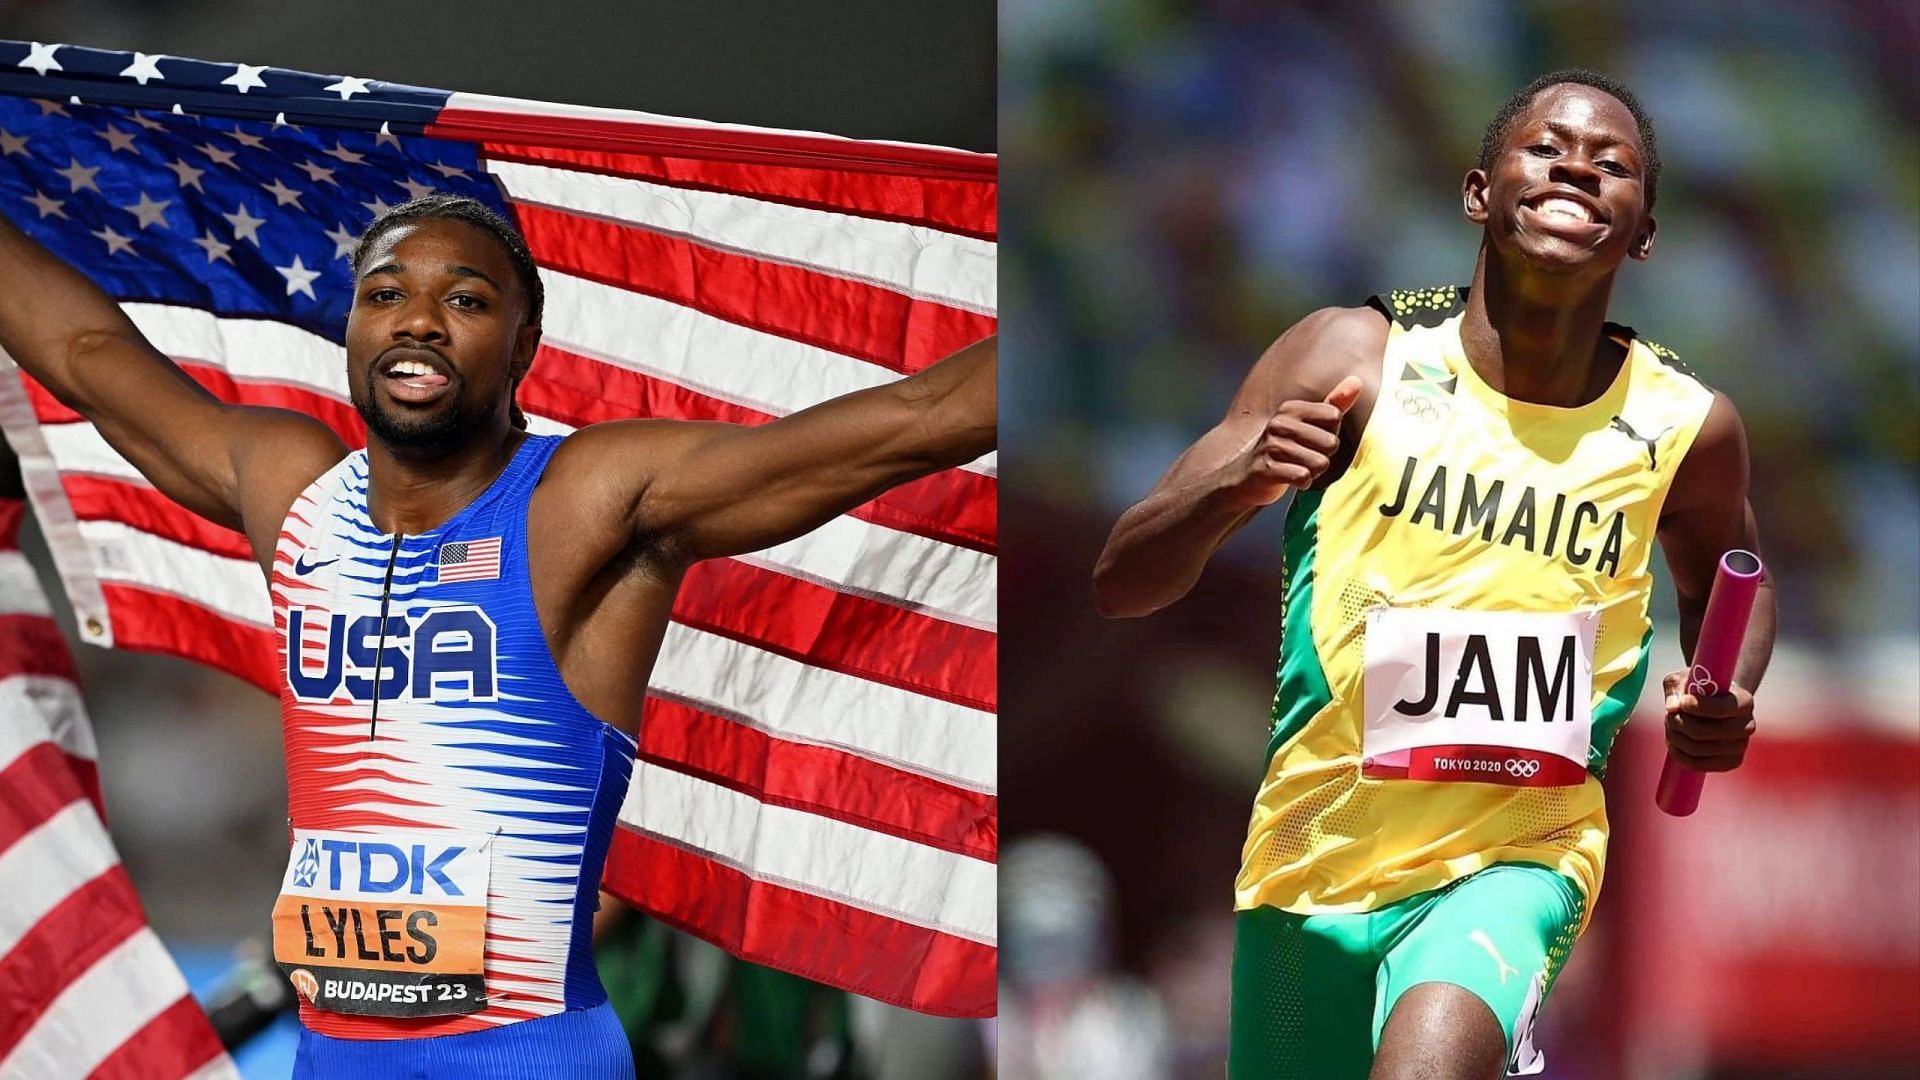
(190, 759)
(1184, 181)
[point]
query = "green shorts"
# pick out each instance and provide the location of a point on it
(1311, 993)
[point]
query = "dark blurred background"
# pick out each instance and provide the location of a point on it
(868, 69)
(190, 759)
(1183, 181)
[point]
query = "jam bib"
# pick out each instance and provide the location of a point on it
(391, 923)
(1491, 697)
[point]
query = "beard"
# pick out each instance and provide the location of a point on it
(443, 428)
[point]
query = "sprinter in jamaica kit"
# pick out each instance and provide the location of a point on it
(1478, 477)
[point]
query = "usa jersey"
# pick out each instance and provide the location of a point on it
(428, 736)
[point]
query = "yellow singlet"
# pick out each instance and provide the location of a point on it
(1465, 626)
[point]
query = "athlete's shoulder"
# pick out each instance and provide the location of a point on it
(1342, 325)
(1663, 359)
(1714, 474)
(608, 467)
(627, 444)
(1723, 435)
(280, 455)
(280, 447)
(1325, 346)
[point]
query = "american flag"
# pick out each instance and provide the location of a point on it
(815, 784)
(469, 560)
(88, 990)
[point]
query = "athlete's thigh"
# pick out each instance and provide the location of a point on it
(1440, 1031)
(1502, 935)
(1303, 995)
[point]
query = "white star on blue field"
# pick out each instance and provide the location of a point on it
(134, 169)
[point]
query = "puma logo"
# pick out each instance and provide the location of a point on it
(1480, 938)
(1620, 425)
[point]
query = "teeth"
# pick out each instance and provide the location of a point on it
(410, 367)
(1566, 208)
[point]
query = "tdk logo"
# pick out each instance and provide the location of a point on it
(386, 868)
(445, 655)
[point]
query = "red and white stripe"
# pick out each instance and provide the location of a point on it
(816, 787)
(87, 988)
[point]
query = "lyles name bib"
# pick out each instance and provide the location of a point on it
(391, 923)
(1492, 697)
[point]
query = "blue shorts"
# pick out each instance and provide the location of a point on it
(587, 1044)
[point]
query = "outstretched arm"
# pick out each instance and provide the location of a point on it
(724, 489)
(1283, 430)
(197, 450)
(1706, 515)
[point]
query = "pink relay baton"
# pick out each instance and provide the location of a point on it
(1722, 629)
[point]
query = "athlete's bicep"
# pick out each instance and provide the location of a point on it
(1707, 512)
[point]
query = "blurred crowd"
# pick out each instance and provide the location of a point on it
(1186, 180)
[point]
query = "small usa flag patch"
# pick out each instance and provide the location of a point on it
(470, 560)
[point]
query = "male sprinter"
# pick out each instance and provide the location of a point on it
(468, 617)
(1479, 477)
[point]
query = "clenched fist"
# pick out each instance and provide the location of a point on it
(1708, 734)
(1293, 449)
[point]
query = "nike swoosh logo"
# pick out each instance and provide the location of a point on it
(301, 567)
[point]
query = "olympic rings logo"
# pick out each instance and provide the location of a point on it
(1522, 769)
(1419, 405)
